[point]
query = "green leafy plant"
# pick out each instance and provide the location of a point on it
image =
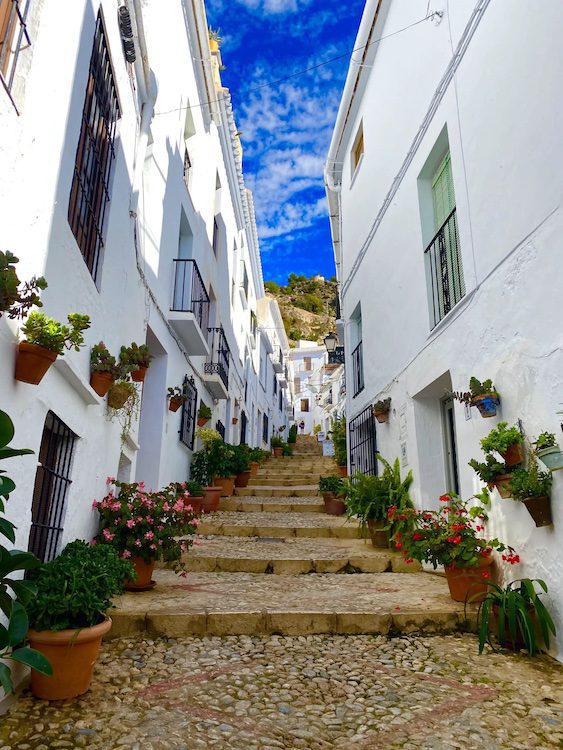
(16, 298)
(199, 468)
(258, 455)
(214, 34)
(101, 360)
(204, 412)
(514, 613)
(489, 470)
(134, 356)
(177, 392)
(277, 442)
(530, 482)
(49, 333)
(14, 605)
(501, 438)
(382, 406)
(332, 483)
(449, 535)
(338, 434)
(292, 435)
(240, 459)
(545, 440)
(397, 489)
(75, 589)
(287, 450)
(476, 388)
(194, 488)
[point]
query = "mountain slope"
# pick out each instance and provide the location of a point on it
(307, 306)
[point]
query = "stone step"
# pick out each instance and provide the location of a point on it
(292, 556)
(277, 525)
(223, 604)
(272, 505)
(281, 491)
(290, 481)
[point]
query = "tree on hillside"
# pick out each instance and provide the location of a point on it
(311, 303)
(272, 287)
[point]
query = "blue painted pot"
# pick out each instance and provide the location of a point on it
(487, 404)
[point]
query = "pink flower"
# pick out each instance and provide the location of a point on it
(141, 485)
(188, 508)
(116, 506)
(137, 543)
(125, 553)
(160, 527)
(195, 522)
(130, 523)
(110, 480)
(178, 506)
(149, 520)
(166, 507)
(149, 535)
(95, 503)
(153, 546)
(108, 536)
(93, 542)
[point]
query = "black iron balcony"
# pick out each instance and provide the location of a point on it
(357, 370)
(337, 356)
(444, 270)
(220, 355)
(190, 294)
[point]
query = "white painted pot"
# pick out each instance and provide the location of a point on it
(551, 457)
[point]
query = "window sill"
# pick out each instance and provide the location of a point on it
(76, 381)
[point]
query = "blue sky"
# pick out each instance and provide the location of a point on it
(286, 129)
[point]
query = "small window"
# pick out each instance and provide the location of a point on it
(187, 427)
(265, 429)
(52, 482)
(90, 191)
(358, 149)
(304, 404)
(307, 363)
(220, 427)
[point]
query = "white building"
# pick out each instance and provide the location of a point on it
(444, 187)
(308, 361)
(122, 184)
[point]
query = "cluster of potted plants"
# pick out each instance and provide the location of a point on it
(45, 340)
(482, 395)
(515, 475)
(116, 377)
(381, 410)
(146, 526)
(280, 447)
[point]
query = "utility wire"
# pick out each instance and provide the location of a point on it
(304, 71)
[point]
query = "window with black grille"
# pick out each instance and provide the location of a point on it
(90, 192)
(265, 429)
(363, 443)
(280, 400)
(187, 427)
(52, 482)
(243, 428)
(220, 427)
(275, 384)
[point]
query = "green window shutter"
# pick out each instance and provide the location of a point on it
(443, 197)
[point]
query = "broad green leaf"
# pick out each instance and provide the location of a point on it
(4, 638)
(6, 679)
(22, 561)
(33, 659)
(6, 429)
(7, 485)
(12, 452)
(18, 625)
(7, 529)
(24, 590)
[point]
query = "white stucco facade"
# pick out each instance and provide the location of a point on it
(160, 216)
(480, 82)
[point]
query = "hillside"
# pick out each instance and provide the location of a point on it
(307, 306)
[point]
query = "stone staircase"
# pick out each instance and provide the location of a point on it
(272, 562)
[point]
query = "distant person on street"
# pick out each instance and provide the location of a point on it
(302, 426)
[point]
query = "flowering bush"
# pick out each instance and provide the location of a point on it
(145, 524)
(449, 535)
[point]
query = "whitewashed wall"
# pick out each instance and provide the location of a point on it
(504, 116)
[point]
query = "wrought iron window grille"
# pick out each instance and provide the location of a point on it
(220, 427)
(363, 443)
(14, 38)
(189, 413)
(444, 269)
(220, 355)
(357, 370)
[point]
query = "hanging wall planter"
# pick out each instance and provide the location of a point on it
(101, 382)
(119, 393)
(549, 452)
(32, 362)
(102, 369)
(381, 410)
(139, 375)
(487, 404)
(532, 486)
(502, 484)
(540, 510)
(482, 395)
(136, 359)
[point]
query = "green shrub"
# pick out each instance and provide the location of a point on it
(16, 298)
(292, 435)
(338, 434)
(332, 483)
(43, 331)
(501, 439)
(100, 359)
(194, 488)
(311, 303)
(530, 482)
(204, 411)
(240, 459)
(277, 442)
(272, 287)
(489, 470)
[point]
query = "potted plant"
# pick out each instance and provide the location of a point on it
(68, 615)
(175, 398)
(532, 487)
(16, 298)
(15, 594)
(548, 451)
(451, 537)
(494, 474)
(516, 615)
(214, 39)
(203, 415)
(241, 465)
(200, 474)
(144, 526)
(381, 410)
(256, 458)
(45, 340)
(196, 493)
(338, 434)
(482, 395)
(218, 460)
(102, 369)
(332, 489)
(277, 445)
(292, 435)
(507, 441)
(137, 359)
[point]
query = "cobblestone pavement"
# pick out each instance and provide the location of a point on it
(296, 548)
(314, 692)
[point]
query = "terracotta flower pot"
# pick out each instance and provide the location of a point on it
(227, 485)
(514, 455)
(196, 501)
(381, 416)
(72, 654)
(278, 452)
(486, 404)
(144, 572)
(502, 483)
(242, 479)
(213, 45)
(211, 499)
(334, 506)
(343, 471)
(32, 362)
(379, 536)
(468, 583)
(118, 395)
(202, 421)
(101, 382)
(235, 420)
(139, 374)
(540, 510)
(175, 403)
(254, 466)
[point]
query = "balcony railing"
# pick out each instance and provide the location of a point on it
(357, 370)
(444, 270)
(220, 355)
(190, 294)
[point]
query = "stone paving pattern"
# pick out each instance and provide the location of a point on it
(287, 524)
(310, 693)
(273, 504)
